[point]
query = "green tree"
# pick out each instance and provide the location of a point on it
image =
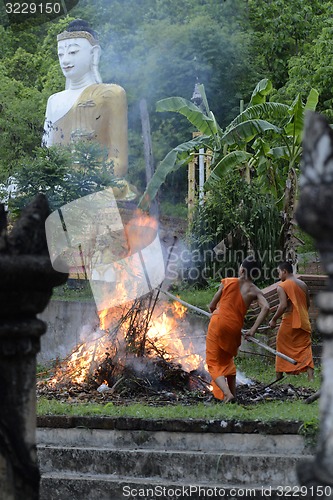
(63, 174)
(21, 122)
(282, 30)
(313, 68)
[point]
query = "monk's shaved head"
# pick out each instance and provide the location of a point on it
(252, 267)
(286, 266)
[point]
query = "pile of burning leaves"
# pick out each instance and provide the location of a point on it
(134, 356)
(159, 390)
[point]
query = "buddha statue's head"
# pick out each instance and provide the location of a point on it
(79, 52)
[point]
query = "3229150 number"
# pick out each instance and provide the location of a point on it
(303, 491)
(33, 8)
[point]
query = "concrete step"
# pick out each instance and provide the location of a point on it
(164, 440)
(225, 467)
(71, 486)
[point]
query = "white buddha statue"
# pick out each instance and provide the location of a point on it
(88, 109)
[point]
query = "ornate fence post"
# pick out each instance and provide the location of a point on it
(315, 215)
(26, 282)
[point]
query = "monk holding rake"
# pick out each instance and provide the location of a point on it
(229, 307)
(294, 335)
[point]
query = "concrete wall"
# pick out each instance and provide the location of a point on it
(68, 323)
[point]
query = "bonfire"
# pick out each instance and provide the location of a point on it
(147, 350)
(145, 347)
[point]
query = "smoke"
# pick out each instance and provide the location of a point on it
(242, 379)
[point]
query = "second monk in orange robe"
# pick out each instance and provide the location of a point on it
(294, 335)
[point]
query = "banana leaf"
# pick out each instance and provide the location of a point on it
(278, 152)
(276, 110)
(312, 100)
(176, 158)
(244, 132)
(262, 89)
(296, 111)
(228, 162)
(205, 124)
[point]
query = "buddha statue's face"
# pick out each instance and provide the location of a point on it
(75, 57)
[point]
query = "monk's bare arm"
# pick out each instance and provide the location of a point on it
(283, 303)
(264, 310)
(216, 299)
(306, 291)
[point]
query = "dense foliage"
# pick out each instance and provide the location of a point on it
(160, 48)
(63, 174)
(236, 218)
(156, 49)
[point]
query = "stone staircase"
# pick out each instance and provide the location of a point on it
(118, 458)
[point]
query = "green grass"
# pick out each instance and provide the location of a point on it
(67, 293)
(262, 369)
(266, 411)
(197, 297)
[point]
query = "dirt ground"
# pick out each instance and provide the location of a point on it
(132, 391)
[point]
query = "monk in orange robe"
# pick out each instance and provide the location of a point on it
(229, 306)
(294, 334)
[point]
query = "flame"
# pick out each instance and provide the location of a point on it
(118, 281)
(168, 335)
(179, 309)
(140, 231)
(102, 318)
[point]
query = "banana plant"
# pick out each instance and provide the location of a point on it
(265, 136)
(239, 133)
(263, 141)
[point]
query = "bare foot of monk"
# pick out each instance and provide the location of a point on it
(229, 399)
(310, 372)
(222, 383)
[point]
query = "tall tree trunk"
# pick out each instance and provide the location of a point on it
(148, 151)
(289, 225)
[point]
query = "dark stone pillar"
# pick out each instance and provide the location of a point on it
(315, 215)
(26, 282)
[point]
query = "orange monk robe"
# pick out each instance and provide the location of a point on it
(225, 333)
(294, 335)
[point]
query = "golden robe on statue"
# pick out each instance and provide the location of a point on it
(99, 115)
(294, 335)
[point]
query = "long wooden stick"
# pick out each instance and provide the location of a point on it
(270, 349)
(251, 339)
(186, 304)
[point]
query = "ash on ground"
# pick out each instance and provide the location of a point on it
(177, 387)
